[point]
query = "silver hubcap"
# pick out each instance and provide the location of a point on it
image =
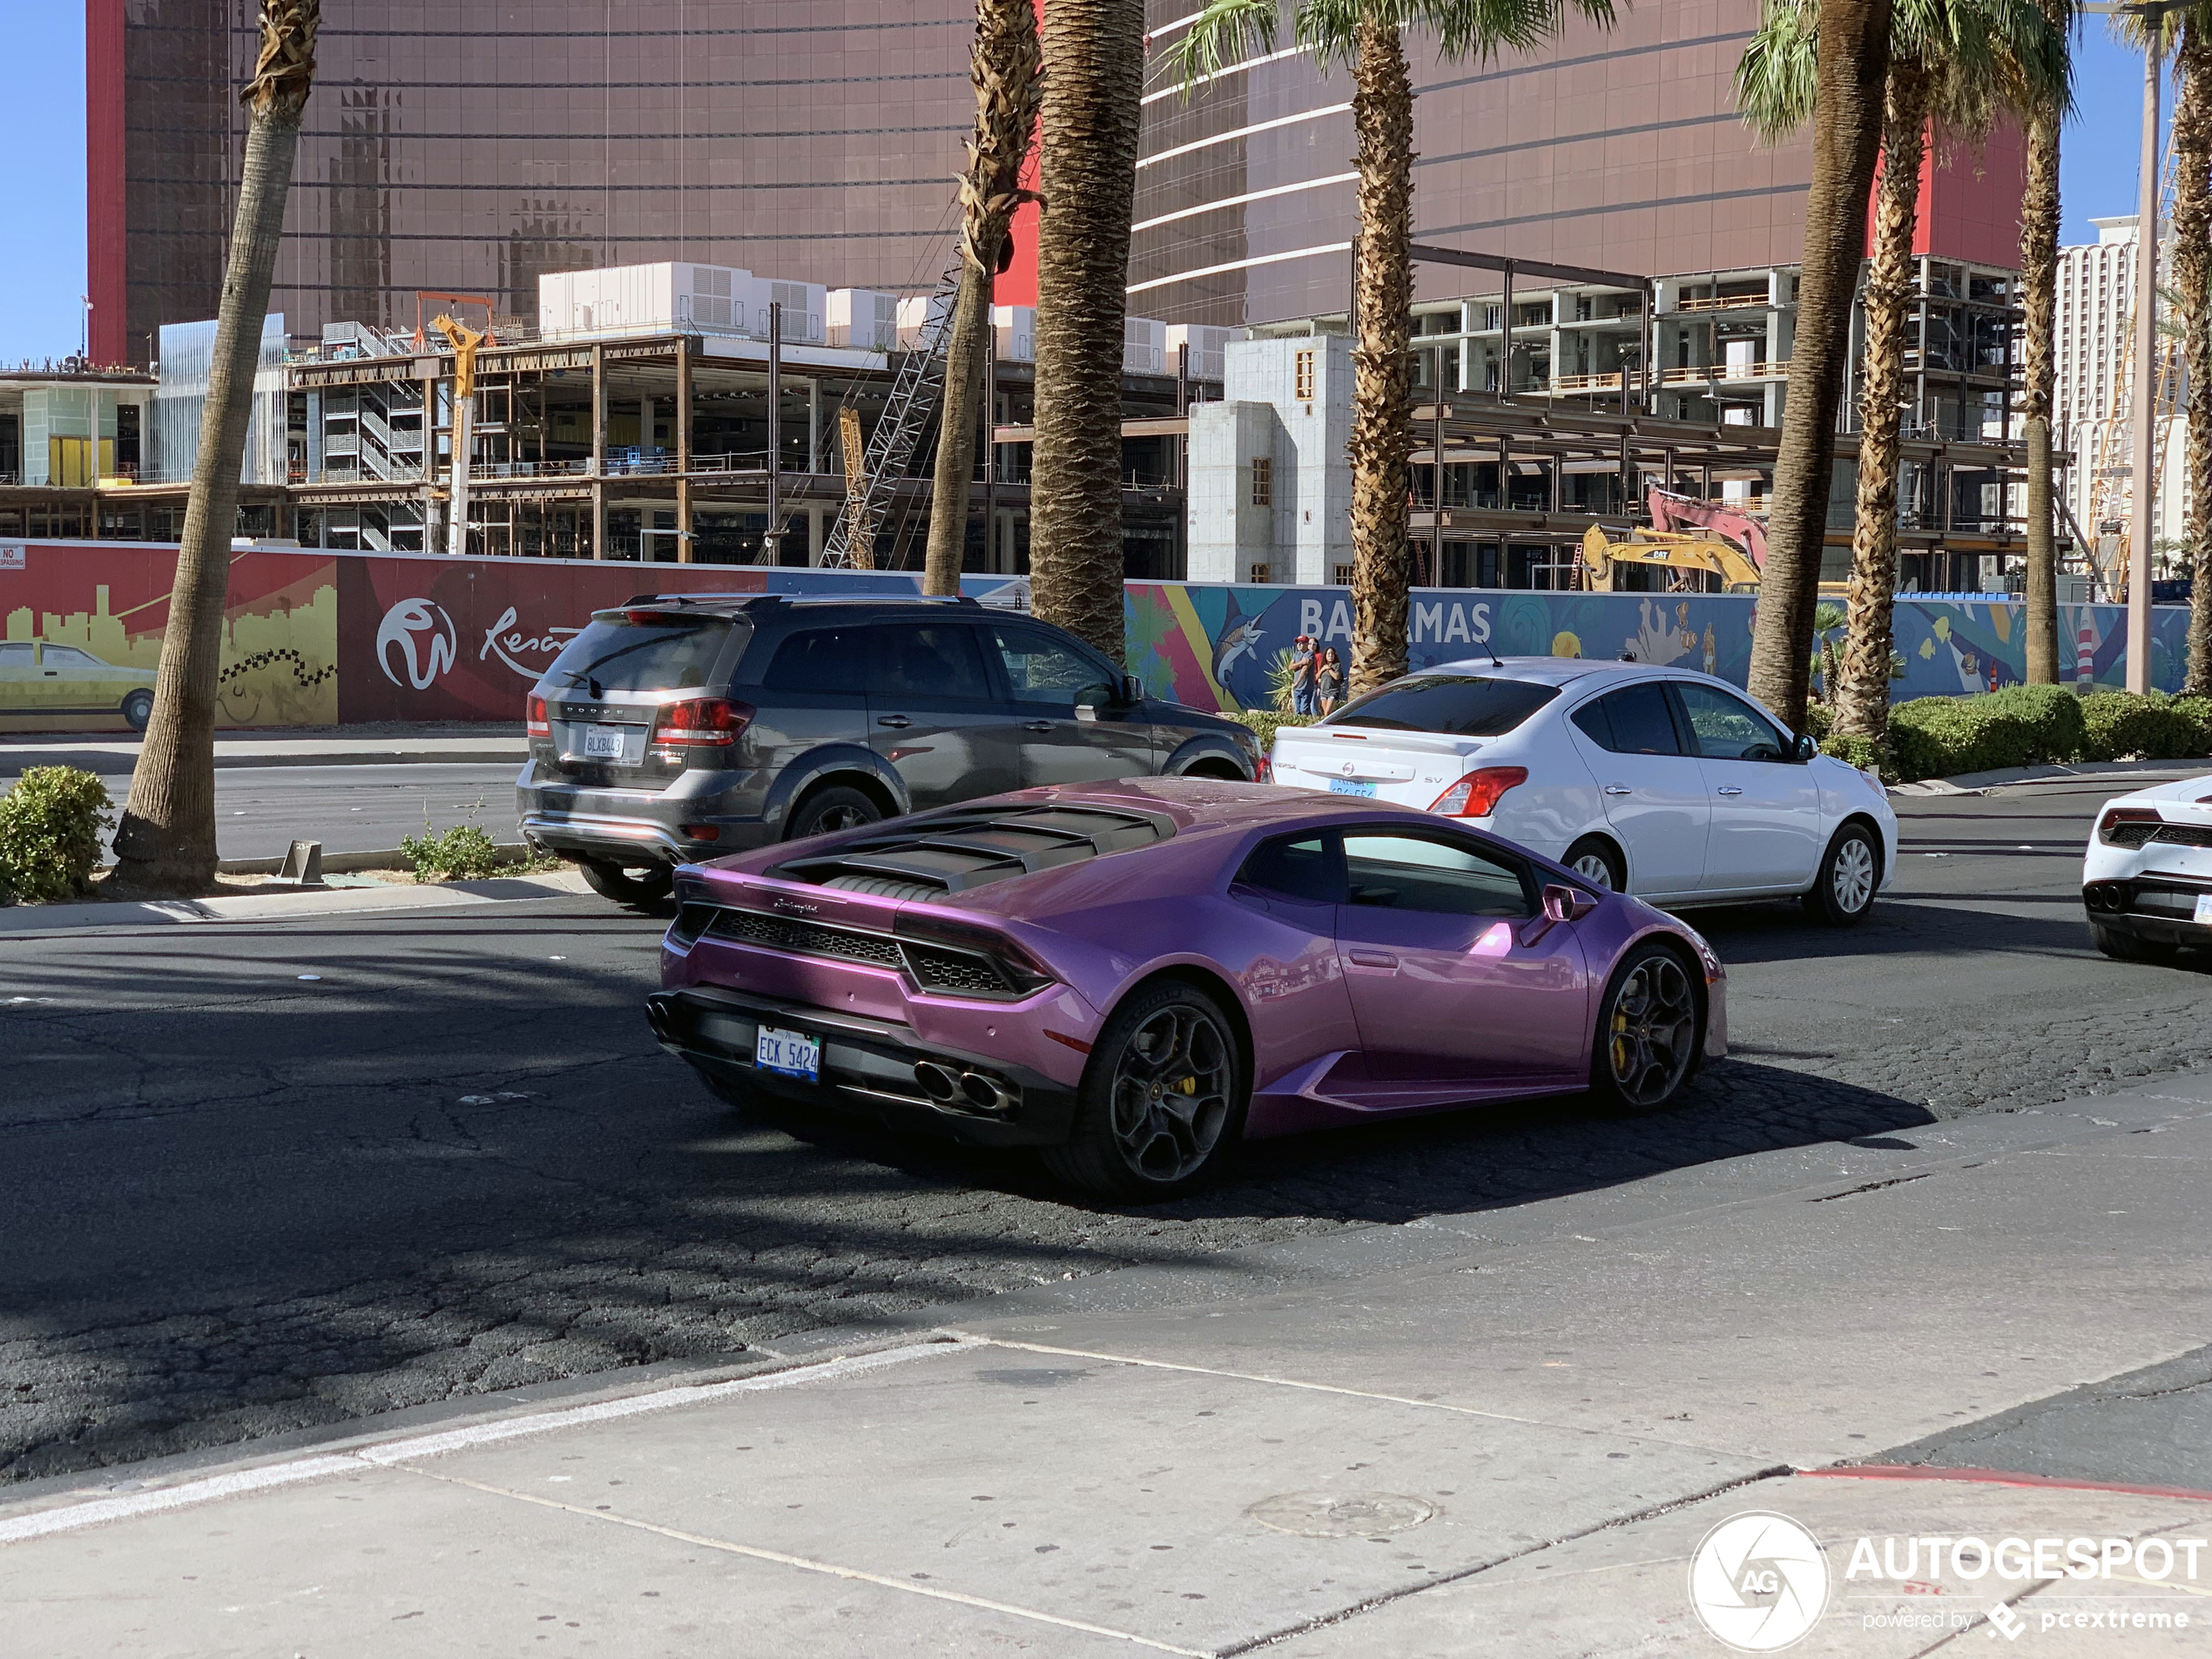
(1172, 1093)
(1594, 869)
(842, 818)
(1652, 1025)
(1852, 881)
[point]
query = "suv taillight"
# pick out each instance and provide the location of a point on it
(535, 724)
(702, 719)
(1476, 794)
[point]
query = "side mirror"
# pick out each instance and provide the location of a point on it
(1804, 748)
(1132, 689)
(1563, 903)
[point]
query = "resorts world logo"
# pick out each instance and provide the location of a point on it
(1758, 1582)
(404, 624)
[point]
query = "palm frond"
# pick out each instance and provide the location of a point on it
(1775, 77)
(1225, 32)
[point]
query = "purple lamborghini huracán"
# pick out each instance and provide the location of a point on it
(1132, 976)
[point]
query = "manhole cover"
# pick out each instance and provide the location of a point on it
(1329, 1514)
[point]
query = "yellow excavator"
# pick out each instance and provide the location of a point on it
(1686, 551)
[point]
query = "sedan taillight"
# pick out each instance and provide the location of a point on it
(535, 724)
(1263, 768)
(702, 720)
(1476, 794)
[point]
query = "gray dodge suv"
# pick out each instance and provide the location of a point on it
(683, 725)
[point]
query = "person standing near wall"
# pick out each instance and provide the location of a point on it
(1328, 680)
(1304, 660)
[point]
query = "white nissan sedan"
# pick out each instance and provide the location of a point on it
(2146, 878)
(1670, 785)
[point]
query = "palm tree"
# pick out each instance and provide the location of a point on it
(166, 840)
(2193, 275)
(1845, 73)
(1367, 35)
(1950, 62)
(2039, 359)
(1005, 68)
(1094, 85)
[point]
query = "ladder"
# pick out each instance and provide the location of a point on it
(914, 392)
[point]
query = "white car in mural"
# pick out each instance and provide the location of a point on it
(1662, 782)
(2146, 878)
(36, 678)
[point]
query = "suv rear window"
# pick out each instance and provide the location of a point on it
(659, 653)
(1464, 705)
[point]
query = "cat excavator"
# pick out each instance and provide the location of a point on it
(1689, 537)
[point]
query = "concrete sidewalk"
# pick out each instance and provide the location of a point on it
(282, 904)
(387, 742)
(1499, 1433)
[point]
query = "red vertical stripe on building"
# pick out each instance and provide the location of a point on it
(103, 225)
(1018, 285)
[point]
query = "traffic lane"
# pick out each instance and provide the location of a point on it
(1973, 985)
(261, 811)
(243, 1201)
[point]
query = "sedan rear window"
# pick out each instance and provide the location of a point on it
(645, 651)
(1463, 705)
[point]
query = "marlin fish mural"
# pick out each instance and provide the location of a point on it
(1239, 636)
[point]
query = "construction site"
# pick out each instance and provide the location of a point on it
(689, 413)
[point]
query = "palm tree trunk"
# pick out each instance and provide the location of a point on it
(1863, 699)
(2193, 275)
(1094, 67)
(1005, 66)
(1851, 76)
(2039, 305)
(1382, 310)
(166, 842)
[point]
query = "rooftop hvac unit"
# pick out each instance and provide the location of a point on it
(1206, 347)
(1144, 346)
(642, 299)
(805, 305)
(1015, 328)
(862, 319)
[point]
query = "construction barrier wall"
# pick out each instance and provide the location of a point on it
(314, 636)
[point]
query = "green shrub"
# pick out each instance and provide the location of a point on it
(463, 854)
(1266, 722)
(1820, 721)
(50, 826)
(2123, 726)
(1862, 753)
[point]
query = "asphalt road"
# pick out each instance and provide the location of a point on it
(241, 1201)
(356, 809)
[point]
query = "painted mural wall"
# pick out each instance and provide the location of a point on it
(316, 638)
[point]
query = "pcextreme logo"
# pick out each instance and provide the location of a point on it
(1758, 1582)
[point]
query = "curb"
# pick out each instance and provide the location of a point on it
(346, 863)
(1974, 783)
(282, 905)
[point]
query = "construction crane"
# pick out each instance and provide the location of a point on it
(464, 341)
(914, 392)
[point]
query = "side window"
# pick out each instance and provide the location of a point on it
(1727, 728)
(1640, 720)
(1294, 867)
(1594, 726)
(1399, 871)
(820, 659)
(1042, 669)
(15, 657)
(927, 659)
(66, 657)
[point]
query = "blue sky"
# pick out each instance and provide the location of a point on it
(42, 193)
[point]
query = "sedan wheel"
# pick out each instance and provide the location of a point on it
(1161, 1100)
(1648, 1031)
(1597, 864)
(1843, 891)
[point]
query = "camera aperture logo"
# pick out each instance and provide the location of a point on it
(1758, 1582)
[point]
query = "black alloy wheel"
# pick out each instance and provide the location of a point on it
(1648, 1031)
(1161, 1100)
